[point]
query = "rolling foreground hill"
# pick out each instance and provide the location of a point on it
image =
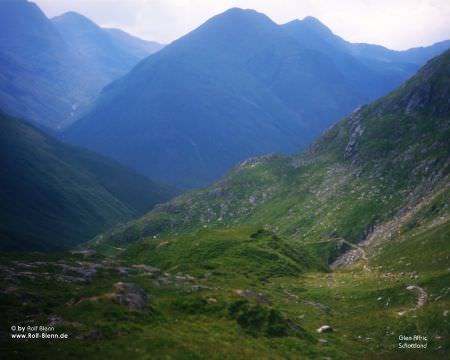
(55, 196)
(238, 86)
(51, 69)
(340, 252)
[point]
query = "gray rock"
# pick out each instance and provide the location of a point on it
(70, 279)
(325, 329)
(162, 281)
(195, 288)
(260, 298)
(55, 320)
(123, 271)
(131, 296)
(148, 270)
(206, 276)
(85, 273)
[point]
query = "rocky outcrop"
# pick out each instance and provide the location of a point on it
(260, 298)
(131, 296)
(356, 130)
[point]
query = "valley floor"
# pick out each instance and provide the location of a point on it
(215, 316)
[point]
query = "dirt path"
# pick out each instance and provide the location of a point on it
(421, 298)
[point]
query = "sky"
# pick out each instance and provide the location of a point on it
(396, 24)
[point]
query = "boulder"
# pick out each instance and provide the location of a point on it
(131, 296)
(325, 329)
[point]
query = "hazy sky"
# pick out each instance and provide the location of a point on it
(397, 24)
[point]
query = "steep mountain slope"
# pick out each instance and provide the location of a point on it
(45, 75)
(109, 53)
(381, 162)
(55, 196)
(238, 86)
(33, 54)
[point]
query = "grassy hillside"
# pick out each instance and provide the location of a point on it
(228, 294)
(55, 196)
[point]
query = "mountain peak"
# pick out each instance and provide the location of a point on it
(315, 24)
(237, 11)
(310, 23)
(312, 20)
(74, 18)
(227, 31)
(238, 17)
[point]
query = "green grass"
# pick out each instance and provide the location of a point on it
(258, 254)
(213, 321)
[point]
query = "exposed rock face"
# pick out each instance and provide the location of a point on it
(131, 296)
(347, 259)
(356, 132)
(84, 271)
(260, 298)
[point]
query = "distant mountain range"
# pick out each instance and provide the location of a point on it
(54, 196)
(311, 33)
(50, 69)
(238, 86)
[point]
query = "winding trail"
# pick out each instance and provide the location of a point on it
(422, 297)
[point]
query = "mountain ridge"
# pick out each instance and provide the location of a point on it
(254, 65)
(237, 86)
